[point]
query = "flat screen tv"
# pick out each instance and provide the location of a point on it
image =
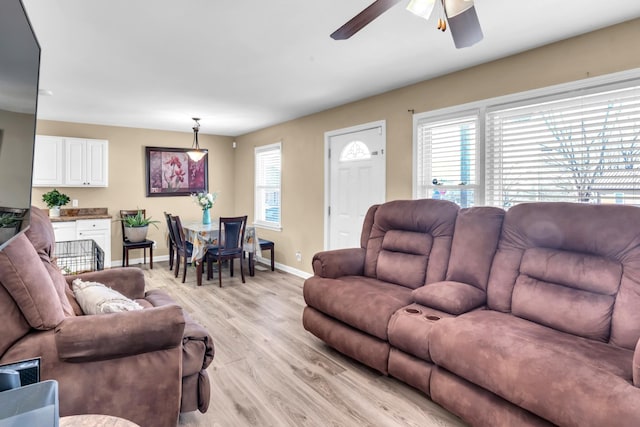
(19, 72)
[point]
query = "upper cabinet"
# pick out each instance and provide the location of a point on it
(70, 162)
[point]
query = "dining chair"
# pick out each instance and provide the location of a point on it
(172, 240)
(183, 248)
(128, 245)
(230, 246)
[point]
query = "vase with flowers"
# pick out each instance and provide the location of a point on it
(206, 202)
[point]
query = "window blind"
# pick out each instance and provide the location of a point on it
(579, 149)
(446, 159)
(268, 170)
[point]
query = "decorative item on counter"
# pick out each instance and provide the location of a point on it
(54, 199)
(136, 226)
(206, 202)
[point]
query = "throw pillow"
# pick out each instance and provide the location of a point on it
(97, 298)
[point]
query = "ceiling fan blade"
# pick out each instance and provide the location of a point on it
(359, 21)
(463, 23)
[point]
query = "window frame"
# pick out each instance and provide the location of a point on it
(259, 186)
(576, 88)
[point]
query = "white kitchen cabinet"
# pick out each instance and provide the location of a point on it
(98, 230)
(47, 161)
(70, 162)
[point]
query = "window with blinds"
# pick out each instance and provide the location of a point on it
(268, 164)
(577, 149)
(445, 160)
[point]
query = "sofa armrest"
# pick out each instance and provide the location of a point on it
(636, 365)
(110, 336)
(451, 297)
(129, 281)
(339, 262)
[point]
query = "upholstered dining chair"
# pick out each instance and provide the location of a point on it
(230, 246)
(128, 245)
(183, 248)
(172, 240)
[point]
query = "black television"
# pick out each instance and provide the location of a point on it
(19, 73)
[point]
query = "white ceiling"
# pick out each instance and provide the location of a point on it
(246, 65)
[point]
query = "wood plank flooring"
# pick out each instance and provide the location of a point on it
(269, 371)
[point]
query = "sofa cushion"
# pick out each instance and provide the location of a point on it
(29, 284)
(475, 241)
(418, 242)
(404, 257)
(569, 380)
(361, 302)
(450, 297)
(573, 251)
(14, 325)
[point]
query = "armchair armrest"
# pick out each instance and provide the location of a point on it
(339, 262)
(636, 365)
(110, 336)
(129, 281)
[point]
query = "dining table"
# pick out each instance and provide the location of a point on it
(203, 236)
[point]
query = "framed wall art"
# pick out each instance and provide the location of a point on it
(170, 172)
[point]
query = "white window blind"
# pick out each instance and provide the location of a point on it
(578, 149)
(268, 163)
(445, 163)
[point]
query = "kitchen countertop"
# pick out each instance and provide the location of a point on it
(74, 214)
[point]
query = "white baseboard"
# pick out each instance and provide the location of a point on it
(261, 260)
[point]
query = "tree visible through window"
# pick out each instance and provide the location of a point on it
(581, 145)
(268, 169)
(582, 149)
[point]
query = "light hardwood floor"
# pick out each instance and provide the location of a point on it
(269, 371)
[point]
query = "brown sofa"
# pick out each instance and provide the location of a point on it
(145, 366)
(529, 317)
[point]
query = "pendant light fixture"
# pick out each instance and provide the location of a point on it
(196, 153)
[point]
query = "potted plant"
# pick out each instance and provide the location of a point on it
(54, 199)
(9, 225)
(136, 226)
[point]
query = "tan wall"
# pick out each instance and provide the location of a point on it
(601, 52)
(231, 171)
(127, 181)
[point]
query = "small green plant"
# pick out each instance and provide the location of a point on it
(137, 220)
(8, 219)
(55, 198)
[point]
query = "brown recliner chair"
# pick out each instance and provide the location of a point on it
(145, 366)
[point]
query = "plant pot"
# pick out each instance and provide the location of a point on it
(54, 211)
(136, 234)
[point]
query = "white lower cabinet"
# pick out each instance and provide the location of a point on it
(98, 230)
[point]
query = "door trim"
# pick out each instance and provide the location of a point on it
(327, 163)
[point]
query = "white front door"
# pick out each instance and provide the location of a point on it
(356, 180)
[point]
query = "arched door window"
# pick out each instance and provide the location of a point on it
(355, 150)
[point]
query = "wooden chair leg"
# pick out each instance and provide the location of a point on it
(184, 272)
(220, 271)
(241, 271)
(272, 259)
(177, 265)
(170, 256)
(252, 266)
(231, 267)
(151, 257)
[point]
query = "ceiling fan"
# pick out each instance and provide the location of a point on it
(460, 14)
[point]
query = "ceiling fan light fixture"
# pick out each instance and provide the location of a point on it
(421, 8)
(454, 8)
(464, 24)
(196, 153)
